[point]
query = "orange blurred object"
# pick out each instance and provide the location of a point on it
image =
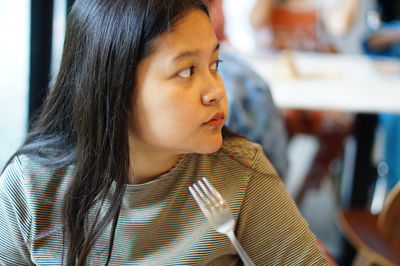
(293, 29)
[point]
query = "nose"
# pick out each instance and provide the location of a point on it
(214, 92)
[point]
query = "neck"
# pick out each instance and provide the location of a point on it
(145, 166)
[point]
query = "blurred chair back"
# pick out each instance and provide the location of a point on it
(389, 218)
(376, 237)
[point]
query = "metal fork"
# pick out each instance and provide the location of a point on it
(218, 213)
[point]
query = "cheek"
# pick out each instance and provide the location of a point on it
(166, 111)
(177, 114)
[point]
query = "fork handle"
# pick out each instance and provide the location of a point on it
(242, 253)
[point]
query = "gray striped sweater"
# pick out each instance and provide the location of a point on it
(160, 223)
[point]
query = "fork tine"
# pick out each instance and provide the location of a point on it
(217, 212)
(213, 190)
(197, 198)
(202, 200)
(210, 195)
(200, 194)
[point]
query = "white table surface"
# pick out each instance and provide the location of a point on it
(327, 81)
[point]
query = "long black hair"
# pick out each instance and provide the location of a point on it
(84, 119)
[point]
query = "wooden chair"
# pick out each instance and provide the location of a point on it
(376, 237)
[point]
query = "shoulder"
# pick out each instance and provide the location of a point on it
(25, 175)
(12, 178)
(247, 153)
(236, 161)
(241, 146)
(28, 167)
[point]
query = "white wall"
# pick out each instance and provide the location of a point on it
(14, 62)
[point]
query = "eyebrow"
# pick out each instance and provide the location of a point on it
(191, 53)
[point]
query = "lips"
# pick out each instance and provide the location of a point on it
(217, 120)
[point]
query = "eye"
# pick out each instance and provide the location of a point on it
(187, 72)
(215, 65)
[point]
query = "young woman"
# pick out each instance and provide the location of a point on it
(134, 117)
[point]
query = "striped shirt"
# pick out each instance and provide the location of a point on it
(160, 223)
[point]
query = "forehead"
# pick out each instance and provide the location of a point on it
(192, 32)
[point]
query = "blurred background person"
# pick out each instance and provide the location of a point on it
(253, 113)
(298, 25)
(384, 41)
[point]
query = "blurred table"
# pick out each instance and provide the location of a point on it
(352, 83)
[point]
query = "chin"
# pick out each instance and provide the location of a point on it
(211, 147)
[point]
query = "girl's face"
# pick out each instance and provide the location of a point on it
(180, 104)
